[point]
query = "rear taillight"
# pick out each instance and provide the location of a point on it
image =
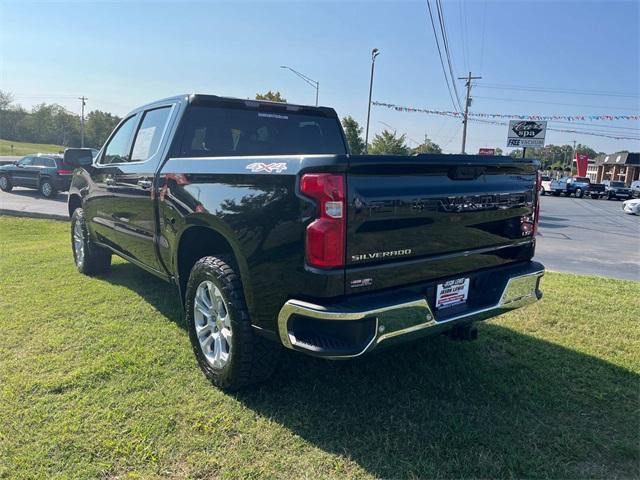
(326, 235)
(64, 172)
(529, 223)
(536, 209)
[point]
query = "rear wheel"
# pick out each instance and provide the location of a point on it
(5, 183)
(595, 197)
(542, 191)
(89, 258)
(46, 188)
(229, 353)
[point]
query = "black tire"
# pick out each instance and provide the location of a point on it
(47, 190)
(251, 358)
(579, 193)
(5, 183)
(556, 193)
(95, 259)
(595, 197)
(543, 192)
(609, 196)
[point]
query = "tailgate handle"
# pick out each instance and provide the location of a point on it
(465, 172)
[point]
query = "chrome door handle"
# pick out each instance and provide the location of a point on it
(144, 183)
(109, 181)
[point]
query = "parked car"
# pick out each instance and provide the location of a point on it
(545, 184)
(616, 190)
(47, 173)
(568, 186)
(595, 190)
(631, 206)
(635, 189)
(275, 236)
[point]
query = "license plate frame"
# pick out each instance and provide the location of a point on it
(452, 292)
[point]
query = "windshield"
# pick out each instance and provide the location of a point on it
(616, 184)
(217, 131)
(582, 180)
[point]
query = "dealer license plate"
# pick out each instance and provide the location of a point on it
(453, 292)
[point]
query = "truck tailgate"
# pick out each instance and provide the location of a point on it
(417, 218)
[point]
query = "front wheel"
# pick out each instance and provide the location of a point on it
(229, 353)
(595, 197)
(46, 188)
(5, 184)
(89, 258)
(542, 191)
(579, 193)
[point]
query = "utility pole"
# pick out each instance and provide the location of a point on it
(466, 109)
(83, 99)
(374, 53)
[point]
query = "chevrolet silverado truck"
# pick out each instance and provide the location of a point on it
(274, 235)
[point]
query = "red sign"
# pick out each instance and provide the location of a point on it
(487, 151)
(582, 161)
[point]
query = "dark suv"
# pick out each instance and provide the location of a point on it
(616, 190)
(44, 172)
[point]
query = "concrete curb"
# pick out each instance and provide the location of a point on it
(28, 214)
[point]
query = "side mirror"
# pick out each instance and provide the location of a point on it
(78, 157)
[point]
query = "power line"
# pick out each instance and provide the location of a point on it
(463, 33)
(444, 70)
(445, 39)
(559, 90)
(484, 18)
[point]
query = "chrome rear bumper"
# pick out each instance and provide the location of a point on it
(411, 315)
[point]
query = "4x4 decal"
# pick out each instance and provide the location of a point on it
(267, 167)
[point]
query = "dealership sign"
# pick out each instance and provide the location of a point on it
(487, 151)
(526, 133)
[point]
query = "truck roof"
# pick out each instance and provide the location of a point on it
(207, 99)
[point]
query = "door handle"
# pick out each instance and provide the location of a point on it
(144, 183)
(109, 181)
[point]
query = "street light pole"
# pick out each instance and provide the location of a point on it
(307, 80)
(374, 53)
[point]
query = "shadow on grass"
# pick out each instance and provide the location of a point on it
(506, 405)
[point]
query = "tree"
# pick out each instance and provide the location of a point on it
(6, 99)
(499, 151)
(387, 143)
(427, 146)
(97, 126)
(353, 132)
(584, 149)
(271, 96)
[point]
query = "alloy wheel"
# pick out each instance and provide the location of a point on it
(47, 190)
(78, 243)
(212, 324)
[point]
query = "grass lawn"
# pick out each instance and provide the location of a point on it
(21, 148)
(97, 380)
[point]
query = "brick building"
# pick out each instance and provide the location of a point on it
(624, 167)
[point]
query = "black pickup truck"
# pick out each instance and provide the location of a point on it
(274, 235)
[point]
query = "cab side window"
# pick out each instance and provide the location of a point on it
(26, 161)
(117, 150)
(149, 134)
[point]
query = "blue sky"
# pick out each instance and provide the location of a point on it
(123, 54)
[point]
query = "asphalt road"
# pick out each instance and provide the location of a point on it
(591, 237)
(27, 202)
(584, 236)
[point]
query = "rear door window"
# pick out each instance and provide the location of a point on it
(150, 133)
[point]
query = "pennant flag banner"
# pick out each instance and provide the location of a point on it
(569, 118)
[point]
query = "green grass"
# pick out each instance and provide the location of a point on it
(22, 148)
(97, 380)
